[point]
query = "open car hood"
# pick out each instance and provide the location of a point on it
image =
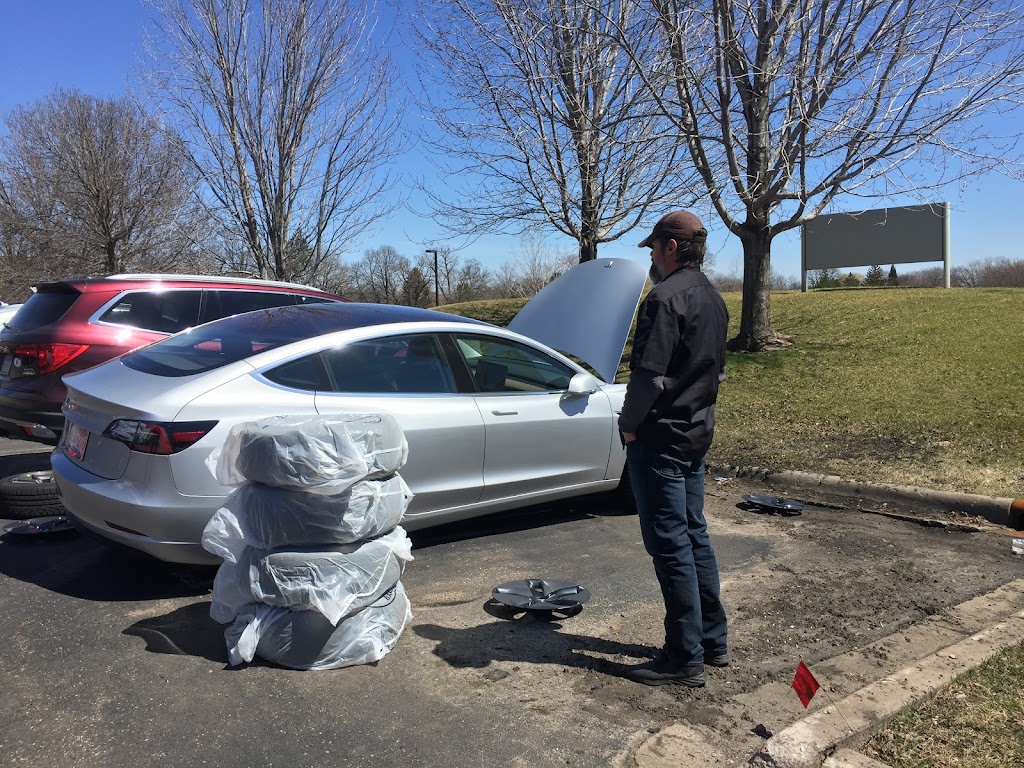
(586, 312)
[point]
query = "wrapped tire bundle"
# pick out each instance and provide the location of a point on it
(335, 582)
(264, 517)
(307, 640)
(318, 454)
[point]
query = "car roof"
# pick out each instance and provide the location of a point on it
(321, 319)
(84, 284)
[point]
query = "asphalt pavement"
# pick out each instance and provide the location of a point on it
(109, 659)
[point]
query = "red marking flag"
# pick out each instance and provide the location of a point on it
(804, 684)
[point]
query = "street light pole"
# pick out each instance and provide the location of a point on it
(434, 251)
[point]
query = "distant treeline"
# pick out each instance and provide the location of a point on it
(985, 273)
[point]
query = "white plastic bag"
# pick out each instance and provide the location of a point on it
(264, 517)
(307, 640)
(335, 581)
(319, 454)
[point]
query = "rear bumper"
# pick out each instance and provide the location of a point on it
(160, 522)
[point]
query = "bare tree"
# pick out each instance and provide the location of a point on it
(544, 123)
(531, 266)
(284, 107)
(19, 266)
(457, 281)
(91, 185)
(473, 282)
(337, 277)
(786, 106)
(380, 275)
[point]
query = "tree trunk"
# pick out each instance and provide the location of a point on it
(588, 246)
(111, 258)
(756, 332)
(590, 217)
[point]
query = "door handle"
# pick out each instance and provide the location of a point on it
(505, 413)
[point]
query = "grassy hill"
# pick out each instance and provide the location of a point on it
(915, 386)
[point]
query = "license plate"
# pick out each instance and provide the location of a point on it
(6, 367)
(75, 441)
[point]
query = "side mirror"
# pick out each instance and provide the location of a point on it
(583, 384)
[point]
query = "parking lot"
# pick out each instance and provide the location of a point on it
(111, 659)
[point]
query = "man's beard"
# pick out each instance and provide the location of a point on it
(655, 274)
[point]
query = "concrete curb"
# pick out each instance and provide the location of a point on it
(1001, 511)
(808, 743)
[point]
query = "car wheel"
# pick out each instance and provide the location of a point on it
(29, 494)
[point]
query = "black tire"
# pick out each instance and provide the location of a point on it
(29, 494)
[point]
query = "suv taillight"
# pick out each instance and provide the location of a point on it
(162, 438)
(43, 358)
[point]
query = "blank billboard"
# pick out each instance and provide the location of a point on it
(901, 235)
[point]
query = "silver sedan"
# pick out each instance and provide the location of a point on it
(495, 418)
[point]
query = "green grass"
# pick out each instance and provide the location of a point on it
(976, 721)
(913, 386)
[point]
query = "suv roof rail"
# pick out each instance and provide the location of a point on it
(214, 278)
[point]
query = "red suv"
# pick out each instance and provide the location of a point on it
(69, 325)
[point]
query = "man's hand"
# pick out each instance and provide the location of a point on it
(628, 437)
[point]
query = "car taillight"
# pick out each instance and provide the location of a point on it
(162, 438)
(43, 358)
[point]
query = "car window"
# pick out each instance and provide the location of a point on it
(43, 308)
(307, 373)
(224, 303)
(500, 365)
(161, 311)
(230, 339)
(407, 364)
(303, 299)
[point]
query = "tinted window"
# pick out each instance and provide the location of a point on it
(499, 365)
(162, 311)
(224, 303)
(407, 364)
(303, 299)
(42, 309)
(234, 338)
(306, 373)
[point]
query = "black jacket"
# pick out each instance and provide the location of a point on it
(680, 345)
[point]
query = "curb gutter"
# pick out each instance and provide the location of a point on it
(1001, 511)
(808, 743)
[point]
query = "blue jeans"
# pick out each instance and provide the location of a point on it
(669, 495)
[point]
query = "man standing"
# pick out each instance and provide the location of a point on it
(667, 423)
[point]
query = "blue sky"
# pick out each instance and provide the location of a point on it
(93, 45)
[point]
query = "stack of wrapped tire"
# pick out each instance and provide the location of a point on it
(310, 538)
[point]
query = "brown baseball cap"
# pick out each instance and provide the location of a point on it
(678, 225)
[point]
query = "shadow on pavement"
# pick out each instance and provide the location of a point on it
(523, 519)
(532, 637)
(187, 631)
(75, 565)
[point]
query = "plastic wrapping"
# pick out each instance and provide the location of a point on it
(319, 454)
(307, 640)
(263, 517)
(335, 582)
